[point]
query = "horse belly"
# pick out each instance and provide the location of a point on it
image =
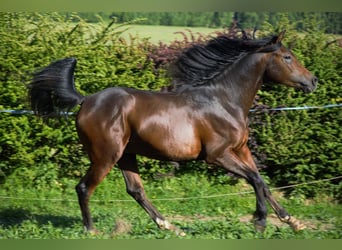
(165, 143)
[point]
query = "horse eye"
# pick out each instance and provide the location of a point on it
(287, 58)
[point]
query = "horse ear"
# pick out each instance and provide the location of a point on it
(280, 36)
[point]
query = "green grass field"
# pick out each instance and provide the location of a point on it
(53, 213)
(164, 34)
(167, 34)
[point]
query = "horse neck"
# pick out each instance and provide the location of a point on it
(243, 79)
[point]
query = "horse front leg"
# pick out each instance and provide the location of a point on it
(134, 187)
(258, 183)
(282, 214)
(235, 162)
(241, 163)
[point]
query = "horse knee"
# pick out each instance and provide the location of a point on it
(136, 192)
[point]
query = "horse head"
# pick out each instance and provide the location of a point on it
(285, 68)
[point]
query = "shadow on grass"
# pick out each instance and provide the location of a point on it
(16, 216)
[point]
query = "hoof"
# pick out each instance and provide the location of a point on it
(259, 224)
(165, 225)
(295, 224)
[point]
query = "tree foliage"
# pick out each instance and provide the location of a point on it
(330, 22)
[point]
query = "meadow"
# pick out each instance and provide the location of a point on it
(164, 34)
(203, 208)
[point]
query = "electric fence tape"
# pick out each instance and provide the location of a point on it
(30, 112)
(175, 198)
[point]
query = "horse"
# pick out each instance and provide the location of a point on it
(203, 116)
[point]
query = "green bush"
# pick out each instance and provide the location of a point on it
(32, 41)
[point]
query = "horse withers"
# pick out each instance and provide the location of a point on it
(202, 117)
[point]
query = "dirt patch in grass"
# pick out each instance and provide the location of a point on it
(272, 219)
(121, 227)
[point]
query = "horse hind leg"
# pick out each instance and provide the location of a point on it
(134, 187)
(102, 160)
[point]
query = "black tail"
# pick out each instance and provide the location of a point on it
(52, 90)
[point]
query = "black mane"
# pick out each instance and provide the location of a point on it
(202, 63)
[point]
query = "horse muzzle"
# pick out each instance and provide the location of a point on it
(309, 86)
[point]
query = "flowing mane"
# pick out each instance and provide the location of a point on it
(200, 64)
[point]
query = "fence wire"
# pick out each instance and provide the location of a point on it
(30, 112)
(175, 198)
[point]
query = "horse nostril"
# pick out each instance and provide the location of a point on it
(314, 81)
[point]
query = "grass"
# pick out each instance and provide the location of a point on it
(164, 34)
(167, 34)
(50, 213)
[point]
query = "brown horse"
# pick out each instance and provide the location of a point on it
(203, 117)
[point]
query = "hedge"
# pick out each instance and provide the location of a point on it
(30, 41)
(291, 146)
